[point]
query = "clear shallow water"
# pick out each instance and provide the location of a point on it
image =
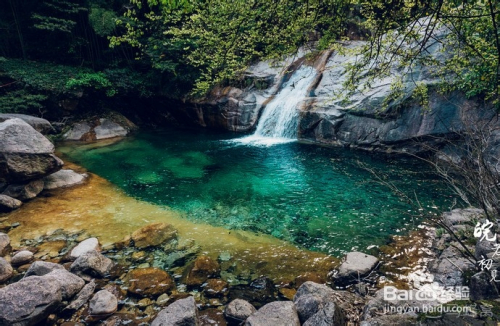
(318, 198)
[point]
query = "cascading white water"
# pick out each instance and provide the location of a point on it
(279, 121)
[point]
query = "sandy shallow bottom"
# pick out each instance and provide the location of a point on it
(104, 211)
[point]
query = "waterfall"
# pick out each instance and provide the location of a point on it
(279, 121)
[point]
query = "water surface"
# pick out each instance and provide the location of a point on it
(318, 198)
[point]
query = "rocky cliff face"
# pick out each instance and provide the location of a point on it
(365, 119)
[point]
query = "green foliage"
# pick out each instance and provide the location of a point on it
(21, 101)
(404, 33)
(95, 80)
(214, 42)
(102, 20)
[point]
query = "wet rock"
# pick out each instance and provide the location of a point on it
(84, 247)
(41, 268)
(278, 313)
(102, 304)
(82, 297)
(149, 281)
(153, 235)
(287, 293)
(200, 270)
(41, 125)
(260, 292)
(121, 319)
(4, 243)
(25, 154)
(29, 301)
(109, 129)
(481, 288)
(8, 204)
(211, 317)
(309, 276)
(21, 258)
(216, 287)
(355, 266)
(182, 312)
(25, 191)
(238, 310)
(92, 263)
(316, 303)
(79, 131)
(69, 283)
(5, 270)
(116, 290)
(63, 179)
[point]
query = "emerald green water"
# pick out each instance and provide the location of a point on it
(315, 197)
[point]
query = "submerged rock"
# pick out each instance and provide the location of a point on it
(355, 266)
(239, 310)
(150, 281)
(182, 312)
(63, 178)
(201, 270)
(278, 313)
(153, 235)
(8, 204)
(29, 301)
(25, 154)
(25, 191)
(5, 270)
(215, 287)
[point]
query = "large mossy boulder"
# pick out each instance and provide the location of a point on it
(25, 154)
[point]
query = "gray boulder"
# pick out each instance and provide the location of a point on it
(79, 131)
(40, 268)
(481, 288)
(103, 303)
(4, 244)
(39, 124)
(5, 270)
(82, 297)
(462, 216)
(24, 191)
(448, 269)
(69, 283)
(25, 154)
(278, 313)
(316, 304)
(21, 258)
(63, 179)
(239, 310)
(8, 204)
(355, 266)
(182, 312)
(29, 301)
(109, 129)
(92, 263)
